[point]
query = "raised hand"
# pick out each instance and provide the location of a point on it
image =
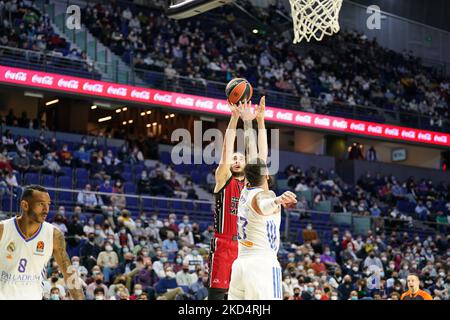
(288, 199)
(246, 111)
(260, 109)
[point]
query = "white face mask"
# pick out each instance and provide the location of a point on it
(317, 296)
(334, 297)
(137, 292)
(108, 248)
(100, 297)
(54, 297)
(75, 264)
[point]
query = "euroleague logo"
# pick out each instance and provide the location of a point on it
(40, 246)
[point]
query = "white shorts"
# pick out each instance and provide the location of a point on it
(255, 278)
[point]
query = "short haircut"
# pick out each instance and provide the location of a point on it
(255, 172)
(414, 275)
(99, 290)
(28, 191)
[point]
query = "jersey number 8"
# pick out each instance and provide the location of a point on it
(22, 265)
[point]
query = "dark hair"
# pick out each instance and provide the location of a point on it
(28, 191)
(255, 172)
(414, 274)
(98, 290)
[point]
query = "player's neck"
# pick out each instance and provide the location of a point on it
(27, 226)
(414, 291)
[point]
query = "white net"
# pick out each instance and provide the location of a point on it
(315, 18)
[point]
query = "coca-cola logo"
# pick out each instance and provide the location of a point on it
(163, 98)
(375, 129)
(222, 107)
(322, 121)
(358, 127)
(47, 80)
(391, 131)
(440, 139)
(204, 104)
(185, 101)
(424, 136)
(341, 124)
(69, 84)
(19, 76)
(285, 116)
(93, 87)
(144, 95)
(408, 134)
(268, 114)
(303, 119)
(117, 91)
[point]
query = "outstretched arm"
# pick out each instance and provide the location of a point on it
(266, 203)
(223, 171)
(262, 134)
(70, 274)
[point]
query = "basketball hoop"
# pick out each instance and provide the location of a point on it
(315, 18)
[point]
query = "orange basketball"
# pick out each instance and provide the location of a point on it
(238, 90)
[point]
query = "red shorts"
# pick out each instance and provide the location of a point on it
(222, 254)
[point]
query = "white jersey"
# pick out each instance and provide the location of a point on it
(257, 234)
(23, 261)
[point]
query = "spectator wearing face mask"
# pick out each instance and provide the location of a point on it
(317, 265)
(373, 260)
(147, 278)
(89, 227)
(58, 222)
(55, 294)
(184, 277)
(89, 252)
(51, 166)
(199, 288)
(99, 293)
(296, 294)
(74, 231)
(65, 156)
(126, 220)
(345, 288)
(353, 295)
(54, 282)
(109, 261)
(193, 259)
(97, 283)
(170, 244)
(309, 234)
(185, 223)
(186, 237)
(167, 288)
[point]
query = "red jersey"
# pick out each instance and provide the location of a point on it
(226, 206)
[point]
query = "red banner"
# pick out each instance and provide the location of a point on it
(36, 79)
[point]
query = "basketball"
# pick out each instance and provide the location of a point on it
(238, 90)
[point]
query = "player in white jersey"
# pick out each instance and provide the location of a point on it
(27, 243)
(256, 273)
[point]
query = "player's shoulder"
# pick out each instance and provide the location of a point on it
(404, 295)
(425, 295)
(264, 194)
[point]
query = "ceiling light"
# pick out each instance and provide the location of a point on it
(118, 111)
(104, 119)
(51, 102)
(93, 107)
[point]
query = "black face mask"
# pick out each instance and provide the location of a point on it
(91, 239)
(54, 279)
(98, 281)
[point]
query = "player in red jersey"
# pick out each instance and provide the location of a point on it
(229, 184)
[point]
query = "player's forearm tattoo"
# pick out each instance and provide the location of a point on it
(70, 274)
